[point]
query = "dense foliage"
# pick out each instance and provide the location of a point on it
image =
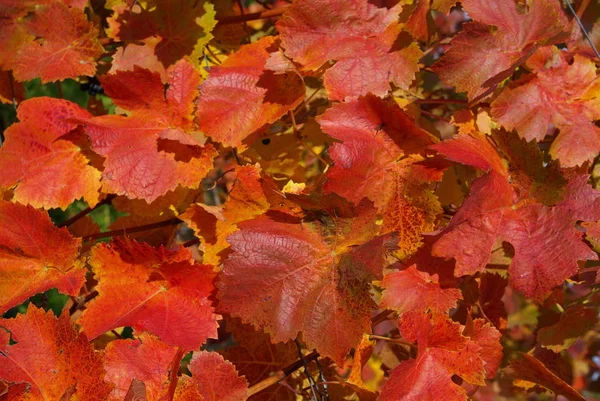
(388, 200)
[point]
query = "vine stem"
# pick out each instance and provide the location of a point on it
(174, 374)
(282, 374)
(441, 101)
(131, 230)
(234, 19)
(392, 340)
(86, 211)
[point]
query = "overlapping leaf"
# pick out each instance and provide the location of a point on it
(37, 163)
(48, 360)
(288, 277)
(443, 351)
(151, 289)
(374, 160)
(182, 27)
(503, 35)
(562, 94)
(411, 290)
(222, 384)
(52, 40)
(150, 151)
(242, 95)
(362, 38)
(250, 196)
(546, 242)
(146, 359)
(35, 256)
(416, 23)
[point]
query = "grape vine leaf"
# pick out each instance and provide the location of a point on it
(55, 54)
(159, 124)
(159, 291)
(563, 94)
(364, 40)
(146, 359)
(288, 277)
(241, 95)
(250, 196)
(503, 35)
(531, 369)
(443, 351)
(416, 24)
(26, 266)
(496, 210)
(411, 290)
(374, 160)
(182, 27)
(256, 357)
(573, 323)
(10, 90)
(36, 162)
(50, 358)
(223, 383)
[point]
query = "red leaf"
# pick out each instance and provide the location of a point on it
(214, 378)
(56, 54)
(375, 135)
(482, 56)
(547, 244)
(413, 291)
(288, 278)
(158, 290)
(240, 95)
(560, 95)
(443, 352)
(247, 199)
(51, 358)
(150, 152)
(359, 36)
(528, 368)
(35, 256)
(174, 23)
(146, 359)
(38, 163)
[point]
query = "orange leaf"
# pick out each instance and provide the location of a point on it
(35, 256)
(51, 358)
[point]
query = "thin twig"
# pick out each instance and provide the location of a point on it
(79, 305)
(299, 137)
(589, 39)
(244, 24)
(311, 380)
(380, 317)
(234, 19)
(131, 230)
(441, 101)
(434, 116)
(282, 374)
(86, 211)
(191, 242)
(392, 340)
(60, 90)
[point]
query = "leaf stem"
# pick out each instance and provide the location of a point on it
(234, 19)
(587, 36)
(86, 211)
(393, 340)
(131, 230)
(441, 101)
(174, 374)
(282, 374)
